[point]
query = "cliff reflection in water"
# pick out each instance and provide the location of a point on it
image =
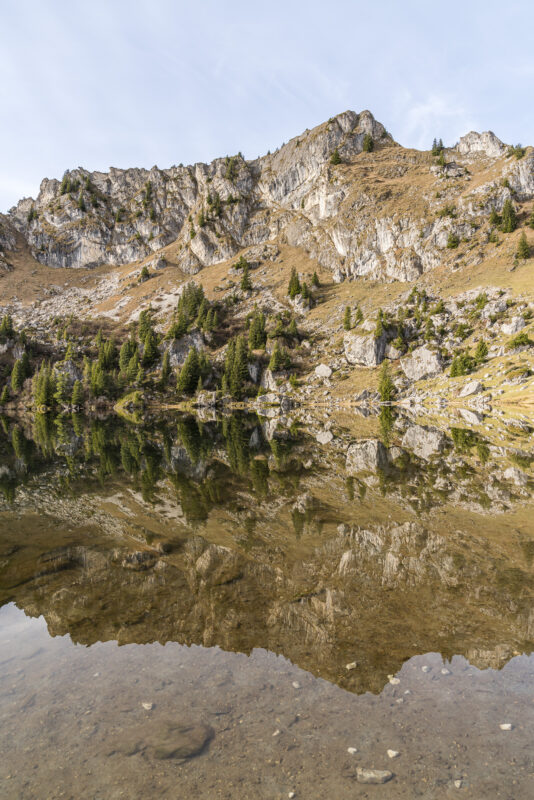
(245, 533)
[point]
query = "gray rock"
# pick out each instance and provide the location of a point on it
(485, 143)
(422, 363)
(323, 371)
(367, 351)
(324, 437)
(513, 326)
(366, 456)
(424, 442)
(179, 348)
(515, 476)
(375, 776)
(470, 388)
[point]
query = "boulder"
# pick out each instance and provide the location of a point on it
(423, 442)
(366, 456)
(367, 351)
(470, 388)
(323, 371)
(422, 363)
(513, 326)
(179, 348)
(515, 476)
(324, 437)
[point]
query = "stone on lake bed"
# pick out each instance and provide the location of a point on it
(394, 681)
(352, 750)
(295, 685)
(445, 671)
(352, 665)
(373, 775)
(148, 706)
(506, 726)
(426, 668)
(168, 739)
(393, 753)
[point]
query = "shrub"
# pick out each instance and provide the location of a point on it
(517, 151)
(368, 143)
(521, 340)
(335, 158)
(462, 364)
(452, 241)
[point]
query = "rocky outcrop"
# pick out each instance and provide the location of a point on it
(484, 143)
(366, 456)
(179, 348)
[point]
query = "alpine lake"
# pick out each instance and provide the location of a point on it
(314, 606)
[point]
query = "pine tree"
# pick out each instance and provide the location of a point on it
(358, 316)
(278, 359)
(7, 330)
(435, 150)
(509, 217)
(188, 376)
(239, 368)
(441, 159)
(386, 387)
(150, 350)
(292, 329)
(44, 386)
(368, 143)
(99, 338)
(246, 283)
(256, 333)
(304, 291)
(17, 376)
(481, 351)
(523, 250)
(126, 352)
(60, 395)
(294, 287)
(145, 323)
(4, 397)
(133, 368)
(77, 394)
(98, 380)
(315, 280)
(531, 220)
(335, 158)
(347, 322)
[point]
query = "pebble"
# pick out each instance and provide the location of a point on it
(148, 706)
(505, 726)
(352, 750)
(291, 795)
(393, 753)
(426, 668)
(277, 732)
(352, 665)
(96, 675)
(445, 671)
(394, 681)
(295, 685)
(373, 775)
(458, 784)
(407, 691)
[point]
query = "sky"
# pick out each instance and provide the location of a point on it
(143, 82)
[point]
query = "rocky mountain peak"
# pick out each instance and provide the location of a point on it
(486, 143)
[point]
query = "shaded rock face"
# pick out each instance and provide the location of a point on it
(179, 348)
(366, 456)
(484, 143)
(367, 351)
(422, 363)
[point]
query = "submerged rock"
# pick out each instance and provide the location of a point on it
(373, 775)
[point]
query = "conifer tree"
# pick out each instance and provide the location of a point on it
(77, 394)
(305, 292)
(531, 220)
(246, 283)
(239, 368)
(4, 397)
(7, 329)
(509, 217)
(481, 351)
(292, 329)
(188, 376)
(347, 321)
(44, 386)
(98, 380)
(150, 350)
(61, 393)
(523, 250)
(293, 288)
(256, 333)
(17, 376)
(277, 359)
(315, 280)
(386, 387)
(133, 368)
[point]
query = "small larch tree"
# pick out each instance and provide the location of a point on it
(523, 250)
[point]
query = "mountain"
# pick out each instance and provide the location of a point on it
(343, 205)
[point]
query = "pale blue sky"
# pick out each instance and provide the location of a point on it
(147, 82)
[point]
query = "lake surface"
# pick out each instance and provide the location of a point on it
(257, 608)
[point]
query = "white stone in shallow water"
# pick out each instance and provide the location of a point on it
(373, 775)
(295, 685)
(445, 671)
(148, 706)
(393, 753)
(352, 665)
(352, 750)
(506, 726)
(426, 668)
(394, 681)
